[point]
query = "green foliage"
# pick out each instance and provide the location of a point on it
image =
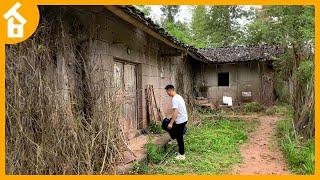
(203, 110)
(282, 24)
(169, 11)
(198, 27)
(258, 32)
(211, 26)
(300, 154)
(145, 9)
(216, 26)
(154, 153)
(305, 72)
(139, 168)
(252, 107)
(278, 110)
(291, 27)
(223, 27)
(180, 30)
(282, 91)
(155, 128)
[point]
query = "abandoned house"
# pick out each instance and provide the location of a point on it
(243, 73)
(91, 79)
(121, 43)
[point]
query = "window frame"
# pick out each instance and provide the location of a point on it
(221, 73)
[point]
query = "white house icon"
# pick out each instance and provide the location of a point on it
(15, 30)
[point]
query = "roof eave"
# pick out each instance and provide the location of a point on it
(126, 17)
(120, 12)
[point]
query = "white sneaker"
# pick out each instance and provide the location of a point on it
(172, 142)
(180, 157)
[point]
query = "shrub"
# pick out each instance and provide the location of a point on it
(155, 128)
(281, 109)
(154, 152)
(139, 168)
(305, 71)
(252, 107)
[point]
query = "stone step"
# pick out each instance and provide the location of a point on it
(137, 145)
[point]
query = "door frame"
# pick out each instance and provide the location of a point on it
(138, 79)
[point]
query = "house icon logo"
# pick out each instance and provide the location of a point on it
(15, 22)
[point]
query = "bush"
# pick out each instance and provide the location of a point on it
(139, 168)
(155, 128)
(252, 107)
(281, 87)
(154, 152)
(305, 71)
(279, 109)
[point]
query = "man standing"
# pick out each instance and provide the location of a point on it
(179, 119)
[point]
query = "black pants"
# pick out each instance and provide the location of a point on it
(179, 128)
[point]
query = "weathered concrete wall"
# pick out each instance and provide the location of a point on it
(157, 64)
(242, 77)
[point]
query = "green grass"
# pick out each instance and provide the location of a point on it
(299, 153)
(252, 107)
(211, 148)
(279, 109)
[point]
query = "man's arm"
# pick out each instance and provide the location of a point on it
(173, 118)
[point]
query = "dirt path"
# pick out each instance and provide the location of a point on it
(262, 154)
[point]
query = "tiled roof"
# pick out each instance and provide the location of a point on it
(241, 53)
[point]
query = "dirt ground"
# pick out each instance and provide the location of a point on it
(262, 154)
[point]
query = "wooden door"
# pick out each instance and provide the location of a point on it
(130, 89)
(125, 80)
(267, 90)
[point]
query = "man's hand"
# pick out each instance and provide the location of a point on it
(173, 118)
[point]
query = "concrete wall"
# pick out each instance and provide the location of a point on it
(242, 77)
(156, 64)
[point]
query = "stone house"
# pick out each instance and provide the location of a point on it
(122, 45)
(243, 73)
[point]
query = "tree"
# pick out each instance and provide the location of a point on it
(291, 27)
(200, 36)
(224, 25)
(177, 29)
(169, 11)
(215, 26)
(145, 9)
(180, 30)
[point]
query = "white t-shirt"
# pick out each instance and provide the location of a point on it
(178, 103)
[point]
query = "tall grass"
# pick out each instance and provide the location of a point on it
(299, 152)
(62, 115)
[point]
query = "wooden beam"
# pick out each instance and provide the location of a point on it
(195, 57)
(170, 55)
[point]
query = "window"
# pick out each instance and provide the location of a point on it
(223, 79)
